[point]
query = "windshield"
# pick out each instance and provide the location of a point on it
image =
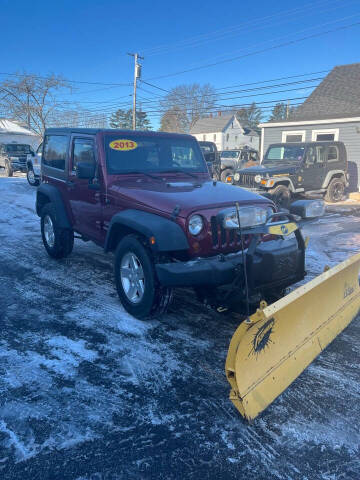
(126, 154)
(17, 148)
(207, 148)
(229, 154)
(278, 153)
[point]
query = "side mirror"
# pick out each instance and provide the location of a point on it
(85, 170)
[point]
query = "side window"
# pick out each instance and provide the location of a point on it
(55, 149)
(320, 154)
(310, 156)
(82, 152)
(333, 154)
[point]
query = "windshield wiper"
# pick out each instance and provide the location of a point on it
(180, 171)
(138, 172)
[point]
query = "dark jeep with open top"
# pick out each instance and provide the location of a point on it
(148, 198)
(298, 168)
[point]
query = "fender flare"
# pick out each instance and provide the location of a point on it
(169, 236)
(330, 175)
(284, 179)
(54, 196)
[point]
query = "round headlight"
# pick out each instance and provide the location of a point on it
(195, 224)
(237, 177)
(257, 178)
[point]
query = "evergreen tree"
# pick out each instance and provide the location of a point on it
(250, 116)
(142, 121)
(280, 112)
(123, 119)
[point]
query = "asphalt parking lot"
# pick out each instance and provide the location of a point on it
(88, 392)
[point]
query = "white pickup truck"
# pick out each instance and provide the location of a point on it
(33, 164)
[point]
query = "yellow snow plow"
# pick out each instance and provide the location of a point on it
(269, 350)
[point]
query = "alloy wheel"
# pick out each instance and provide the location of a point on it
(49, 232)
(132, 277)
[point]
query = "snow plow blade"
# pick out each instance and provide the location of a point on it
(270, 350)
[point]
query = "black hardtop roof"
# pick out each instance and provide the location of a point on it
(305, 144)
(113, 131)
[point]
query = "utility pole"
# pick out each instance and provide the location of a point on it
(137, 74)
(287, 109)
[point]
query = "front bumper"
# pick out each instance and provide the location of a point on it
(18, 166)
(275, 263)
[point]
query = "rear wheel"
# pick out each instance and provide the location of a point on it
(8, 170)
(136, 282)
(335, 191)
(281, 196)
(31, 178)
(58, 241)
(225, 174)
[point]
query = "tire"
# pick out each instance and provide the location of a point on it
(8, 170)
(57, 241)
(224, 174)
(335, 191)
(281, 196)
(145, 298)
(32, 180)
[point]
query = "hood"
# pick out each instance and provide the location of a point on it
(285, 169)
(189, 195)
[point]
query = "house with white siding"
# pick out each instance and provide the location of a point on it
(225, 131)
(332, 112)
(13, 132)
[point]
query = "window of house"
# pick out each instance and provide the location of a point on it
(325, 135)
(204, 138)
(55, 149)
(83, 152)
(214, 137)
(236, 137)
(333, 154)
(293, 137)
(227, 137)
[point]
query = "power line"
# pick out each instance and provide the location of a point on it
(222, 33)
(217, 98)
(281, 45)
(65, 79)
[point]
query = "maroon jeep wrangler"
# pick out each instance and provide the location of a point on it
(148, 197)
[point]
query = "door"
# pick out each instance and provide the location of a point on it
(84, 194)
(313, 168)
(2, 155)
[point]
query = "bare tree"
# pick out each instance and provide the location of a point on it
(31, 99)
(187, 103)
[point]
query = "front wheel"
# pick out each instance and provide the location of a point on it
(31, 178)
(281, 196)
(8, 170)
(58, 241)
(335, 191)
(136, 282)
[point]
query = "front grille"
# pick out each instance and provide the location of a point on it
(247, 180)
(222, 237)
(21, 160)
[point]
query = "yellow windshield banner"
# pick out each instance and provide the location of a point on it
(123, 145)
